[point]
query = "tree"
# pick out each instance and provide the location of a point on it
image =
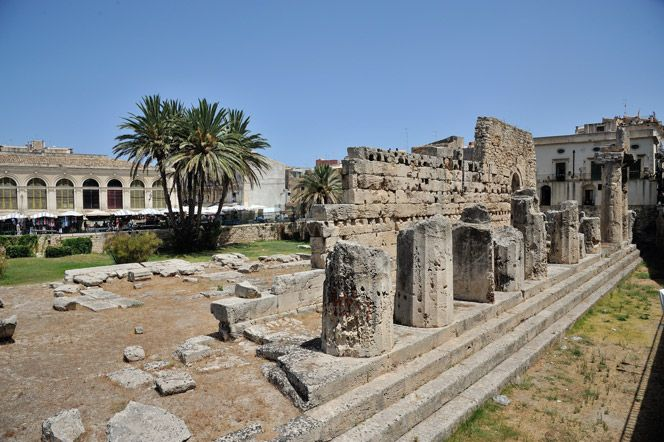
(322, 186)
(197, 148)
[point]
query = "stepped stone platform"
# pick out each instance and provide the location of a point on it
(434, 378)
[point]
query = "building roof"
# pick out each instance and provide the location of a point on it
(65, 160)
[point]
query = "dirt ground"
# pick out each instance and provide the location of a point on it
(585, 387)
(59, 361)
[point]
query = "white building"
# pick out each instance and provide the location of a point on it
(566, 169)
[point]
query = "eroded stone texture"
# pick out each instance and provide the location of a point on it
(527, 218)
(476, 214)
(582, 246)
(565, 233)
(7, 327)
(592, 234)
(66, 426)
(473, 262)
(612, 208)
(146, 423)
(424, 292)
(628, 226)
(357, 302)
(508, 256)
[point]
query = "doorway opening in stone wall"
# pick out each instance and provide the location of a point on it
(516, 182)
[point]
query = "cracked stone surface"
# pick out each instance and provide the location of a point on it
(146, 423)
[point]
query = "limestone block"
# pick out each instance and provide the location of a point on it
(66, 426)
(527, 218)
(247, 290)
(147, 424)
(565, 234)
(246, 434)
(7, 327)
(134, 353)
(509, 262)
(131, 377)
(592, 234)
(628, 226)
(476, 214)
(424, 290)
(139, 275)
(473, 262)
(173, 382)
(357, 302)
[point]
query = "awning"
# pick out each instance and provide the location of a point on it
(71, 213)
(13, 215)
(43, 215)
(149, 211)
(124, 212)
(97, 213)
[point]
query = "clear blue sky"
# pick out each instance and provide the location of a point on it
(318, 76)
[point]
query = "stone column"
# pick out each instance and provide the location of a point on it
(611, 210)
(527, 218)
(508, 255)
(582, 246)
(473, 256)
(424, 292)
(565, 233)
(357, 303)
(628, 226)
(590, 227)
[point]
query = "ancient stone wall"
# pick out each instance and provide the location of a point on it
(385, 191)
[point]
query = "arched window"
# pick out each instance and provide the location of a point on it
(8, 194)
(90, 194)
(114, 194)
(36, 194)
(137, 195)
(158, 200)
(64, 194)
(545, 194)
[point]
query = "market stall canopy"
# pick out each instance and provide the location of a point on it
(71, 213)
(43, 215)
(124, 212)
(150, 211)
(13, 215)
(97, 213)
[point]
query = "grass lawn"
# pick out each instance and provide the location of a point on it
(36, 270)
(581, 388)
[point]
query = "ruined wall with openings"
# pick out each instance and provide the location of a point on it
(385, 191)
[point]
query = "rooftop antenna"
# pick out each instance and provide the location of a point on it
(625, 106)
(406, 129)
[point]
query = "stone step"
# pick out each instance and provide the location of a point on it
(442, 423)
(358, 404)
(395, 420)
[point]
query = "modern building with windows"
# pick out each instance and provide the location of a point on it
(35, 178)
(567, 170)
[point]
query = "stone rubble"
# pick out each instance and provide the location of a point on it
(133, 353)
(246, 434)
(171, 382)
(246, 290)
(131, 377)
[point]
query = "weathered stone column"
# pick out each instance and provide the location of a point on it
(508, 255)
(530, 221)
(628, 226)
(473, 256)
(613, 191)
(565, 233)
(582, 246)
(424, 292)
(592, 234)
(357, 302)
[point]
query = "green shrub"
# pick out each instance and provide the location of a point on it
(136, 247)
(78, 245)
(3, 261)
(19, 251)
(21, 241)
(57, 251)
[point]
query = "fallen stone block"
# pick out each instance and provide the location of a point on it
(232, 310)
(64, 303)
(221, 276)
(190, 279)
(7, 327)
(194, 349)
(128, 303)
(138, 330)
(155, 365)
(131, 377)
(232, 260)
(168, 272)
(66, 426)
(246, 434)
(279, 258)
(139, 275)
(246, 290)
(138, 285)
(174, 382)
(146, 423)
(66, 289)
(133, 353)
(2, 304)
(251, 268)
(91, 279)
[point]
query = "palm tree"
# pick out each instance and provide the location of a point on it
(322, 186)
(152, 137)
